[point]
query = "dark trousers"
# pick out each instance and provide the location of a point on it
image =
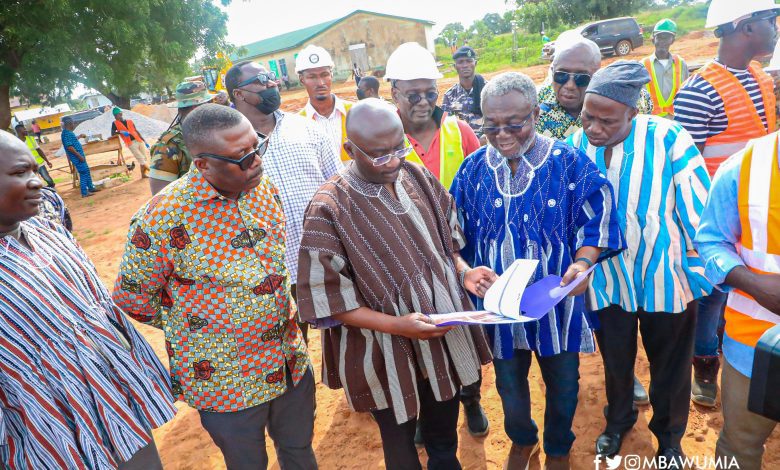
(304, 326)
(438, 424)
(668, 340)
(45, 175)
(471, 393)
(561, 379)
(289, 420)
(147, 458)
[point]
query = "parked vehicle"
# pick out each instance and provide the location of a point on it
(618, 36)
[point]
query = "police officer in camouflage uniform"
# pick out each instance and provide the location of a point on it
(170, 159)
(463, 99)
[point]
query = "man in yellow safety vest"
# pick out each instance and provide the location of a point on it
(314, 67)
(667, 71)
(440, 143)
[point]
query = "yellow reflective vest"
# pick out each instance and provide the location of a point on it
(450, 151)
(663, 106)
(347, 106)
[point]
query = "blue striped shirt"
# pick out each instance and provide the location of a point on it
(699, 107)
(661, 186)
(555, 203)
(79, 386)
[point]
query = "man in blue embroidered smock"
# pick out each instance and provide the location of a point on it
(661, 185)
(380, 247)
(528, 196)
(79, 386)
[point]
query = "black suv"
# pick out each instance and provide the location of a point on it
(617, 36)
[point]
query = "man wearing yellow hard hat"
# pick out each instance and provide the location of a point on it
(667, 71)
(724, 105)
(314, 67)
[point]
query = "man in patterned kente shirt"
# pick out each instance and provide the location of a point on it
(170, 158)
(379, 252)
(205, 261)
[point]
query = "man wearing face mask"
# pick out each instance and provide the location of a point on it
(528, 196)
(300, 156)
(314, 67)
(661, 186)
(368, 88)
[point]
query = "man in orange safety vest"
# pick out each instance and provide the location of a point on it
(667, 71)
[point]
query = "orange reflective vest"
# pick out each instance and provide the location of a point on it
(759, 245)
(450, 151)
(347, 106)
(130, 128)
(663, 106)
(744, 123)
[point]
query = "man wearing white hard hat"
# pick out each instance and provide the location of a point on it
(723, 105)
(440, 143)
(314, 67)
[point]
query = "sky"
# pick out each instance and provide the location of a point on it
(253, 20)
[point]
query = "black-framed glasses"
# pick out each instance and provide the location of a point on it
(511, 128)
(384, 159)
(246, 161)
(415, 98)
(262, 78)
(580, 79)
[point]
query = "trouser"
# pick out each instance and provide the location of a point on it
(709, 319)
(304, 326)
(85, 177)
(44, 172)
(668, 342)
(438, 424)
(561, 379)
(471, 393)
(139, 152)
(289, 418)
(147, 458)
(744, 433)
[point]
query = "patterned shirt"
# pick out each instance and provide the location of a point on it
(79, 386)
(555, 203)
(554, 121)
(459, 102)
(211, 271)
(53, 208)
(362, 247)
(69, 139)
(298, 160)
(699, 107)
(170, 158)
(661, 185)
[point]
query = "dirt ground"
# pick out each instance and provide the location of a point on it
(348, 440)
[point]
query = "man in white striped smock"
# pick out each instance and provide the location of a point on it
(661, 185)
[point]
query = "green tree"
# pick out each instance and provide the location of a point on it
(450, 33)
(576, 11)
(496, 23)
(118, 48)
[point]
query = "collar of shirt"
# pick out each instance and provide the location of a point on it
(338, 107)
(202, 190)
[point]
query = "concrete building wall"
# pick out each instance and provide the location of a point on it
(381, 36)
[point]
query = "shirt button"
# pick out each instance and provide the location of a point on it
(557, 152)
(572, 186)
(498, 202)
(525, 217)
(551, 202)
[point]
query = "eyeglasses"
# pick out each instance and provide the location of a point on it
(512, 128)
(246, 161)
(415, 98)
(384, 159)
(262, 78)
(580, 79)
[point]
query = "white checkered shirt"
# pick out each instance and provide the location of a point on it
(298, 161)
(330, 125)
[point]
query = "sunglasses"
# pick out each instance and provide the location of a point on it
(415, 98)
(512, 128)
(246, 161)
(384, 159)
(262, 78)
(580, 79)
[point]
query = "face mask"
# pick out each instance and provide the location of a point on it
(270, 99)
(361, 94)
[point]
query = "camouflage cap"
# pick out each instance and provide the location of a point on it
(191, 94)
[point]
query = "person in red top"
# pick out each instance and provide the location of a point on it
(132, 139)
(441, 143)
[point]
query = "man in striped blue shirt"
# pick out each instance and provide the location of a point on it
(661, 186)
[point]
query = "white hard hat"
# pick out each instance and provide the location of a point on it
(728, 11)
(311, 57)
(410, 62)
(774, 64)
